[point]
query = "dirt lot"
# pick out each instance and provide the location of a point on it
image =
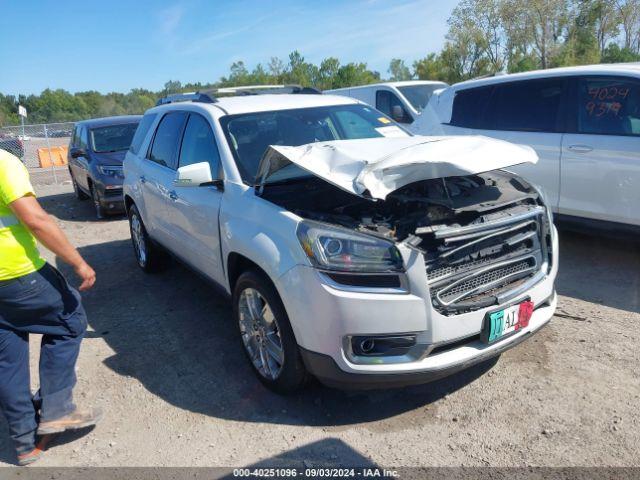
(162, 357)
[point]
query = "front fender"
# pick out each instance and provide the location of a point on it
(260, 231)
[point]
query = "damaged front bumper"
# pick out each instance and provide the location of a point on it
(327, 317)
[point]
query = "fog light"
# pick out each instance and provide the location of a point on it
(383, 346)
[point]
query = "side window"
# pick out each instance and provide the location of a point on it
(389, 104)
(469, 107)
(609, 106)
(141, 132)
(84, 138)
(527, 106)
(199, 144)
(167, 137)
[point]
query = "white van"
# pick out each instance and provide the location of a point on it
(402, 101)
(584, 123)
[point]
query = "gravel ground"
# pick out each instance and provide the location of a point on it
(162, 357)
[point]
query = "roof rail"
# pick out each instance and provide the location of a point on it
(209, 96)
(204, 97)
(268, 89)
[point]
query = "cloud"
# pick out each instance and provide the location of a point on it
(169, 19)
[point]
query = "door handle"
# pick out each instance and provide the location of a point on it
(580, 148)
(173, 195)
(143, 179)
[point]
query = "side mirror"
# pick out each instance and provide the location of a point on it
(78, 152)
(193, 175)
(398, 113)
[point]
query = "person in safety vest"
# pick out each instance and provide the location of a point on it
(36, 298)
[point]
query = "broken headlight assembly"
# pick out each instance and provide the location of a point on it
(336, 249)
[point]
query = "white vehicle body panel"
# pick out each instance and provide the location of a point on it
(381, 165)
(591, 176)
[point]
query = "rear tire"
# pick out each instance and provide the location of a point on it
(149, 256)
(266, 334)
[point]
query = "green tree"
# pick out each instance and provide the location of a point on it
(327, 73)
(399, 71)
(614, 54)
(430, 67)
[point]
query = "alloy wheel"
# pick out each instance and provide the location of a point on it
(260, 333)
(139, 242)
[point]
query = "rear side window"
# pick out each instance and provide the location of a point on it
(528, 106)
(199, 144)
(165, 142)
(141, 132)
(469, 107)
(609, 106)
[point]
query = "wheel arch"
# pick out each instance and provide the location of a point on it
(237, 264)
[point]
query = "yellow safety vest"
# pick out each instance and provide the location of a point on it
(19, 254)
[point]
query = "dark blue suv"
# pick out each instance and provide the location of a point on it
(96, 151)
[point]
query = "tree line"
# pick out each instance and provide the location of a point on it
(484, 37)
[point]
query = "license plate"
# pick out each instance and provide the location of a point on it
(502, 323)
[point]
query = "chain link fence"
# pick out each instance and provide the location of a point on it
(42, 148)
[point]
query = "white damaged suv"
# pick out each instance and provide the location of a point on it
(352, 250)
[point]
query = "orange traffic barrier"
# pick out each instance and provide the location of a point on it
(52, 156)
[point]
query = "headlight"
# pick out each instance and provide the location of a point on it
(111, 170)
(333, 248)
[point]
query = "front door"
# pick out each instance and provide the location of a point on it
(600, 174)
(195, 210)
(158, 176)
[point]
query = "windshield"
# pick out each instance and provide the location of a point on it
(249, 135)
(112, 138)
(419, 95)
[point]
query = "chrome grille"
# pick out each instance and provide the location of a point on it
(486, 262)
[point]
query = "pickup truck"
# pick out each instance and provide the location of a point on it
(352, 250)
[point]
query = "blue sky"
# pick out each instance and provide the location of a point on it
(117, 45)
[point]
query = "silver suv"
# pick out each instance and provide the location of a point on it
(352, 250)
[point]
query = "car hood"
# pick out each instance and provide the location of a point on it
(110, 158)
(379, 166)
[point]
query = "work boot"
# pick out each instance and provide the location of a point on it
(73, 421)
(34, 455)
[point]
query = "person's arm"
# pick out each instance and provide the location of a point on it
(45, 229)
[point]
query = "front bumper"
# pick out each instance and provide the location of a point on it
(326, 369)
(323, 318)
(111, 199)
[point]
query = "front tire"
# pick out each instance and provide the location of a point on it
(100, 211)
(266, 334)
(149, 257)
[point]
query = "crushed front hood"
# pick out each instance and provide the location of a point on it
(381, 165)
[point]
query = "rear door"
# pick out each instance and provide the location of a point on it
(195, 210)
(158, 175)
(526, 112)
(531, 112)
(601, 157)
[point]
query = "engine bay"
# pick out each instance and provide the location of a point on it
(415, 207)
